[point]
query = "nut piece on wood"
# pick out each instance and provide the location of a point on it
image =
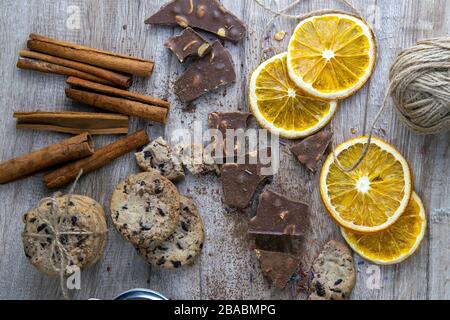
(311, 150)
(188, 44)
(159, 156)
(278, 215)
(208, 15)
(334, 274)
(277, 267)
(207, 74)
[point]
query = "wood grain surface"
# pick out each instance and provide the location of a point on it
(227, 268)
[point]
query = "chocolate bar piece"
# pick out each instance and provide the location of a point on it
(278, 215)
(240, 183)
(311, 150)
(207, 15)
(188, 44)
(228, 121)
(207, 74)
(278, 267)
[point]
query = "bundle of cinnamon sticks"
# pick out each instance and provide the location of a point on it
(97, 78)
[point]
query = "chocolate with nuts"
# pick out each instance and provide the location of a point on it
(278, 215)
(311, 150)
(207, 74)
(208, 15)
(277, 267)
(188, 44)
(240, 183)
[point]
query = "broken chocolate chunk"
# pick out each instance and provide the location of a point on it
(229, 121)
(214, 70)
(278, 267)
(207, 15)
(241, 181)
(278, 215)
(311, 150)
(188, 44)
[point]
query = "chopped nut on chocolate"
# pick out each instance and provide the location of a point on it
(278, 267)
(188, 44)
(208, 15)
(195, 159)
(214, 70)
(158, 156)
(228, 121)
(311, 150)
(278, 215)
(240, 183)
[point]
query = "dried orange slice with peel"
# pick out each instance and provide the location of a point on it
(372, 197)
(331, 56)
(395, 244)
(283, 108)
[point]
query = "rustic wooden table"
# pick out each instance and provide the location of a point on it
(227, 268)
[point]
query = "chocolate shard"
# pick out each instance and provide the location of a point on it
(188, 44)
(207, 15)
(228, 121)
(278, 215)
(241, 181)
(278, 267)
(311, 150)
(207, 74)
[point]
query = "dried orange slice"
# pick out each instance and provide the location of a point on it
(332, 55)
(373, 196)
(283, 108)
(395, 244)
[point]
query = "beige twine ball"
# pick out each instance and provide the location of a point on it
(420, 86)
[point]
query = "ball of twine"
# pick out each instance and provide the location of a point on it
(420, 86)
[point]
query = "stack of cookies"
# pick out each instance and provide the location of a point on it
(164, 227)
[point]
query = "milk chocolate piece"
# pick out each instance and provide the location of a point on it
(207, 74)
(208, 15)
(311, 150)
(228, 121)
(278, 267)
(188, 44)
(278, 215)
(240, 183)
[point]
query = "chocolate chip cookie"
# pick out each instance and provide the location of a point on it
(334, 274)
(68, 214)
(184, 245)
(145, 209)
(159, 156)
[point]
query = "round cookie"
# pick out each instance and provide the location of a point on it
(145, 209)
(334, 273)
(83, 214)
(184, 245)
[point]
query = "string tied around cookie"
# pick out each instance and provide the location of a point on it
(53, 221)
(282, 13)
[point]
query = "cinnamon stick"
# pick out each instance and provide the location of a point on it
(119, 105)
(110, 76)
(47, 67)
(67, 150)
(73, 122)
(100, 158)
(81, 83)
(99, 58)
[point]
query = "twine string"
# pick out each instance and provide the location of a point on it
(53, 219)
